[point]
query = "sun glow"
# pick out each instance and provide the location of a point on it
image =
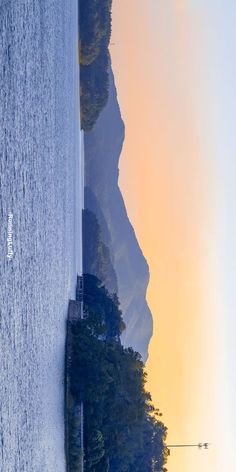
(169, 187)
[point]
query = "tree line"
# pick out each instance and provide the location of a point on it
(94, 38)
(123, 432)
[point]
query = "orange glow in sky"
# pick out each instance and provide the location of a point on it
(166, 180)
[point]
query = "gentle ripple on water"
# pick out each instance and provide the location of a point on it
(38, 145)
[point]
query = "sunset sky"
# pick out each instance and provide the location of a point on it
(175, 69)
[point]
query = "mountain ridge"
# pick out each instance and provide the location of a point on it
(103, 146)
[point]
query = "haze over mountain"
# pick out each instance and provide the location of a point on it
(103, 147)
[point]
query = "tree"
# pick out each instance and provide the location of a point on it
(123, 431)
(94, 37)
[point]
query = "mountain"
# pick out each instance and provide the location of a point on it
(96, 254)
(103, 147)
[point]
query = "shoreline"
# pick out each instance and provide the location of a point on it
(75, 313)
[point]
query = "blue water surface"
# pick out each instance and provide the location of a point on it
(39, 145)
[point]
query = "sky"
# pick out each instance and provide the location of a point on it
(175, 69)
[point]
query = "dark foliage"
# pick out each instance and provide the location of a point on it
(95, 31)
(94, 27)
(123, 432)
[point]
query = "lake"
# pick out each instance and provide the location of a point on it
(40, 214)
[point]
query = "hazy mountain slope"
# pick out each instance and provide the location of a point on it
(96, 254)
(102, 151)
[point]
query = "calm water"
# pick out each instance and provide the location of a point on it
(39, 144)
